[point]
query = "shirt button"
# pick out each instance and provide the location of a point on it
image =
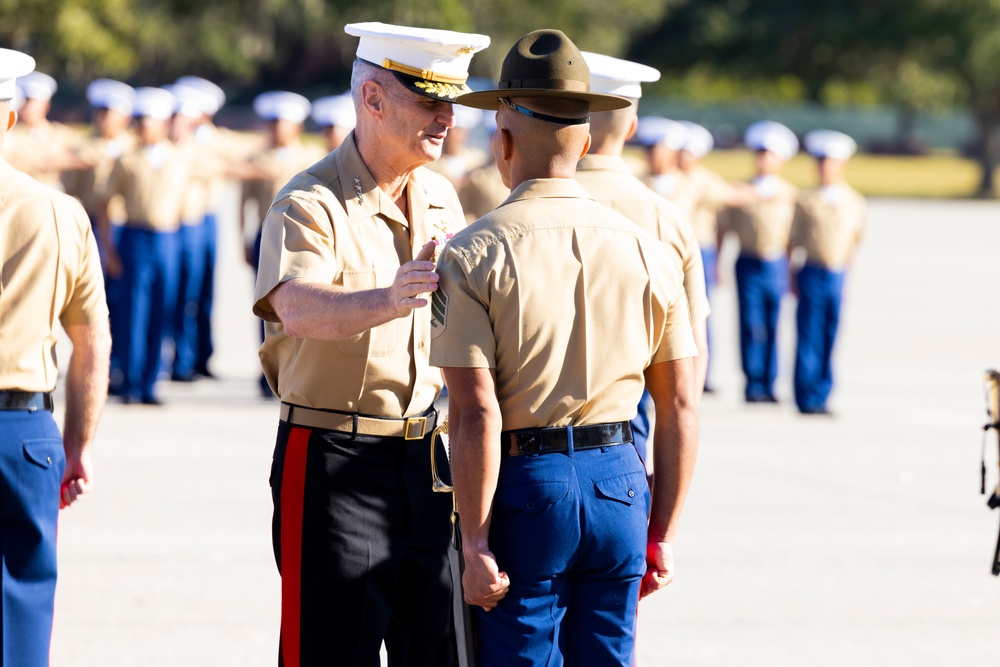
(631, 493)
(48, 459)
(531, 505)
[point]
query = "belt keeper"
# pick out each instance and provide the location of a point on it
(354, 425)
(569, 439)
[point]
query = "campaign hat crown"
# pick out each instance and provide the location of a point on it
(433, 63)
(13, 64)
(618, 77)
(544, 63)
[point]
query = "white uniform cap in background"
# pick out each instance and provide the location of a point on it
(699, 141)
(207, 88)
(111, 94)
(37, 86)
(768, 135)
(467, 118)
(653, 130)
(335, 110)
(281, 105)
(18, 101)
(13, 64)
(191, 102)
(614, 76)
(830, 143)
(153, 103)
(434, 63)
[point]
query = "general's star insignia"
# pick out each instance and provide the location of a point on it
(357, 188)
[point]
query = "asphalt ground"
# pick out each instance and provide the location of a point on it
(859, 539)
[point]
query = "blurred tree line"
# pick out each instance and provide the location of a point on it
(920, 55)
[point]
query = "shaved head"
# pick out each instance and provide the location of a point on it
(609, 130)
(540, 148)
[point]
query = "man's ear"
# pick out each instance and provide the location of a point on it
(506, 144)
(632, 128)
(11, 119)
(372, 96)
(586, 147)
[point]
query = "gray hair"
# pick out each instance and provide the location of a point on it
(363, 72)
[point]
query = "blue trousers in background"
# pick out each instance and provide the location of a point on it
(760, 284)
(190, 274)
(206, 295)
(640, 424)
(32, 462)
(710, 261)
(149, 290)
(570, 531)
(816, 319)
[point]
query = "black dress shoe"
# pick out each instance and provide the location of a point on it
(183, 377)
(816, 411)
(204, 373)
(151, 400)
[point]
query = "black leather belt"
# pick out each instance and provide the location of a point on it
(26, 400)
(556, 439)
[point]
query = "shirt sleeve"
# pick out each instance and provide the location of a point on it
(461, 330)
(676, 335)
(86, 301)
(694, 281)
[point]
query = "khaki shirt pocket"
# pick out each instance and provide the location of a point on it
(380, 341)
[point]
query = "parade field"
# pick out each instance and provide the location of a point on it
(859, 539)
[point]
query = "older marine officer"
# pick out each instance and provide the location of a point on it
(360, 538)
(607, 177)
(551, 313)
(50, 270)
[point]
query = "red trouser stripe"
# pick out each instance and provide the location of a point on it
(293, 484)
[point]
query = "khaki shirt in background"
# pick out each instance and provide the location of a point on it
(828, 225)
(710, 193)
(332, 224)
(90, 184)
(483, 191)
(49, 270)
(207, 169)
(676, 187)
(153, 182)
(608, 180)
(763, 226)
(40, 151)
(567, 300)
(284, 163)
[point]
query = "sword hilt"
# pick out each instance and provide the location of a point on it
(437, 484)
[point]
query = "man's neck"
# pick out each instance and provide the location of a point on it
(391, 176)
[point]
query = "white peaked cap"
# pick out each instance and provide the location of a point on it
(830, 143)
(431, 62)
(13, 64)
(653, 130)
(699, 141)
(768, 135)
(614, 76)
(18, 101)
(111, 94)
(191, 102)
(153, 103)
(37, 86)
(207, 88)
(281, 105)
(335, 110)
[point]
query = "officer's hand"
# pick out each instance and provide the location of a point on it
(483, 582)
(659, 567)
(76, 479)
(413, 279)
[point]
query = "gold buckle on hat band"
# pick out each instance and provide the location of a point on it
(423, 73)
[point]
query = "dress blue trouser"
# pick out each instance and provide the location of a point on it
(190, 273)
(760, 284)
(816, 319)
(710, 260)
(149, 287)
(206, 296)
(32, 461)
(641, 424)
(570, 531)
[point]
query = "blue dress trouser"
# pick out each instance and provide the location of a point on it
(191, 269)
(206, 295)
(816, 319)
(32, 462)
(149, 288)
(641, 424)
(760, 284)
(570, 531)
(710, 261)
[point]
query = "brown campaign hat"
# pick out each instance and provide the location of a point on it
(544, 63)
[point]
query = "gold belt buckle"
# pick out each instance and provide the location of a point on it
(412, 421)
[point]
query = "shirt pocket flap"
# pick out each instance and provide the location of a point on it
(42, 452)
(533, 497)
(625, 488)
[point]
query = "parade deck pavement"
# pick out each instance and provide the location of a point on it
(855, 540)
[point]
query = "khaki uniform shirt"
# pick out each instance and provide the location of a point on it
(36, 150)
(152, 181)
(285, 163)
(676, 187)
(828, 225)
(710, 192)
(49, 269)
(483, 191)
(567, 300)
(89, 185)
(332, 224)
(607, 179)
(763, 226)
